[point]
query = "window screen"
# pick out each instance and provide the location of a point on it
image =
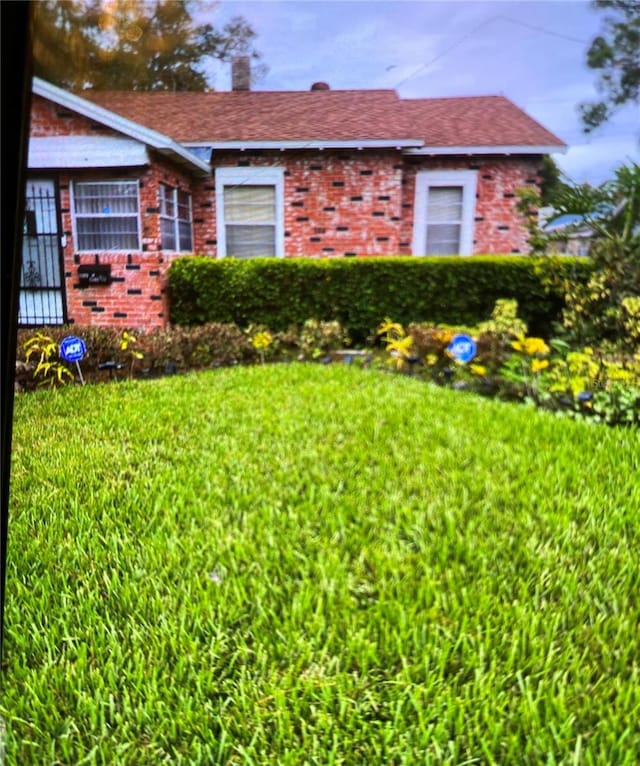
(175, 219)
(106, 215)
(250, 220)
(444, 219)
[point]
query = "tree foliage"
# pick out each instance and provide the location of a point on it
(611, 211)
(598, 310)
(615, 55)
(131, 44)
(551, 178)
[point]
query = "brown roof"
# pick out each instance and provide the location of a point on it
(474, 121)
(262, 115)
(327, 115)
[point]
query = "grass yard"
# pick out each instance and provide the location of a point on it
(318, 565)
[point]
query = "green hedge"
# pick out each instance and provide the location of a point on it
(360, 292)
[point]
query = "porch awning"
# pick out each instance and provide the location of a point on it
(86, 152)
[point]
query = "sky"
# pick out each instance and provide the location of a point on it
(533, 52)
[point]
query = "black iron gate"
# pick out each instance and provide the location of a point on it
(42, 296)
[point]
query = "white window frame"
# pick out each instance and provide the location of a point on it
(427, 179)
(75, 215)
(175, 218)
(271, 176)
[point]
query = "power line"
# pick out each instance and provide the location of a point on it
(551, 32)
(447, 50)
(483, 24)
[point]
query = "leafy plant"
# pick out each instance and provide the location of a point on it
(494, 335)
(526, 366)
(504, 322)
(128, 346)
(430, 345)
(262, 341)
(50, 370)
(617, 405)
(318, 338)
(597, 385)
(631, 318)
(594, 311)
(398, 344)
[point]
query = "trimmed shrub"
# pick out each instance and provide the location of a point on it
(358, 291)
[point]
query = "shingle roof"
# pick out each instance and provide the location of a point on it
(262, 115)
(327, 115)
(475, 121)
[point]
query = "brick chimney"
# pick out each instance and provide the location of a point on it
(241, 73)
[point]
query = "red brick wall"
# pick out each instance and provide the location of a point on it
(498, 226)
(335, 203)
(204, 216)
(137, 296)
(343, 204)
(361, 203)
(49, 119)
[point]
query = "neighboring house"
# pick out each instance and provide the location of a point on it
(571, 235)
(122, 183)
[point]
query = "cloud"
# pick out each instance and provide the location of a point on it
(596, 162)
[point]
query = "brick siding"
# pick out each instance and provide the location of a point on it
(335, 203)
(137, 295)
(498, 227)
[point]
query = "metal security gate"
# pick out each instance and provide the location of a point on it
(42, 298)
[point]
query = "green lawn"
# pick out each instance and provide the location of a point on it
(318, 565)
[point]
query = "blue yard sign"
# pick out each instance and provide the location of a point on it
(72, 349)
(462, 348)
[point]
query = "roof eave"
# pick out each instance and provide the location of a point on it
(74, 152)
(186, 159)
(368, 143)
(498, 149)
(152, 138)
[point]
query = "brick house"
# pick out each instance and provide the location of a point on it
(121, 183)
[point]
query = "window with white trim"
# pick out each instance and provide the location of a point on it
(175, 219)
(106, 215)
(444, 212)
(249, 207)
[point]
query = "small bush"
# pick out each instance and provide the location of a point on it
(504, 322)
(178, 349)
(318, 338)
